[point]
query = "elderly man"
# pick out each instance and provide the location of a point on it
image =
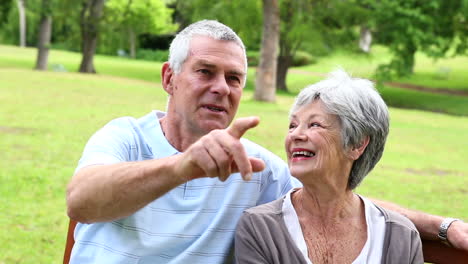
(170, 186)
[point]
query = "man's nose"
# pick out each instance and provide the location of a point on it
(220, 86)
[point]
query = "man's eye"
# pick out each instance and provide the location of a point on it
(204, 71)
(291, 126)
(234, 79)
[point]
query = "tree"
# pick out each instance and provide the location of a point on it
(265, 83)
(45, 31)
(434, 27)
(133, 18)
(365, 40)
(22, 22)
(296, 19)
(244, 17)
(5, 6)
(90, 16)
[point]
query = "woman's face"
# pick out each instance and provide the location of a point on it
(314, 145)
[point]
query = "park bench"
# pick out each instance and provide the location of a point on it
(434, 251)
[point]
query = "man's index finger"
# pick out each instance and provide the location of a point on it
(241, 125)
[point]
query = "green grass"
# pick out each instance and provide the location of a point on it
(450, 74)
(47, 117)
(447, 73)
(45, 120)
(14, 57)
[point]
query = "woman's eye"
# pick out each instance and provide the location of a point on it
(314, 124)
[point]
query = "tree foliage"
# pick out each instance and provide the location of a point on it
(5, 6)
(435, 27)
(244, 17)
(131, 18)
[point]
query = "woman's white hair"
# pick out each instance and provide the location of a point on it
(361, 111)
(180, 46)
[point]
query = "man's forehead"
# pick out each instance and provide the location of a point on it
(207, 63)
(210, 45)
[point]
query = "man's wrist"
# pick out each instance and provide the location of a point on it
(443, 230)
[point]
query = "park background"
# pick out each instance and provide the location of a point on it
(57, 88)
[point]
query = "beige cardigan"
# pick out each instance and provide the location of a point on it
(262, 237)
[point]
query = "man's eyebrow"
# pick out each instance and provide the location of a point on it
(238, 73)
(210, 65)
(205, 63)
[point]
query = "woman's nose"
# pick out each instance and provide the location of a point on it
(298, 134)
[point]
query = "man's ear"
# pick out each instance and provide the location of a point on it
(357, 151)
(167, 76)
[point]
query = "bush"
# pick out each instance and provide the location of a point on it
(152, 55)
(301, 58)
(155, 42)
(253, 58)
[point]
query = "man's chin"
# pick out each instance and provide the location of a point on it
(212, 125)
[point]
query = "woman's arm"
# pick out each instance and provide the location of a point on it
(247, 244)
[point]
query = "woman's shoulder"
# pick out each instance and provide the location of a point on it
(392, 217)
(271, 208)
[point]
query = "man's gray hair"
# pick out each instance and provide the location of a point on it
(361, 111)
(180, 46)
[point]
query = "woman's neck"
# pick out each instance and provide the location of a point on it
(333, 225)
(326, 205)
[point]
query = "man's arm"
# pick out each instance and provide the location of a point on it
(428, 225)
(106, 192)
(100, 193)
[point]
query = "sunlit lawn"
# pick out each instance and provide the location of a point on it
(448, 73)
(46, 118)
(427, 72)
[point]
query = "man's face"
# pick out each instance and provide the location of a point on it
(205, 95)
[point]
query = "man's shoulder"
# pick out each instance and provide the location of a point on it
(145, 122)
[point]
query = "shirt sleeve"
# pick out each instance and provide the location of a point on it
(111, 144)
(277, 180)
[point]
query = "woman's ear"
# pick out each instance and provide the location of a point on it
(167, 76)
(357, 151)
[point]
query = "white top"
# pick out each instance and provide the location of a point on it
(372, 250)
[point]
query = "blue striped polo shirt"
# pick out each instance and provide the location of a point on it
(193, 223)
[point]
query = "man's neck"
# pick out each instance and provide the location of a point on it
(177, 134)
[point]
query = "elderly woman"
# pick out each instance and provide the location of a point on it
(337, 134)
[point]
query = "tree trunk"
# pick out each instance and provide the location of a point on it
(132, 40)
(91, 13)
(284, 62)
(22, 22)
(365, 40)
(45, 31)
(265, 83)
(408, 58)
